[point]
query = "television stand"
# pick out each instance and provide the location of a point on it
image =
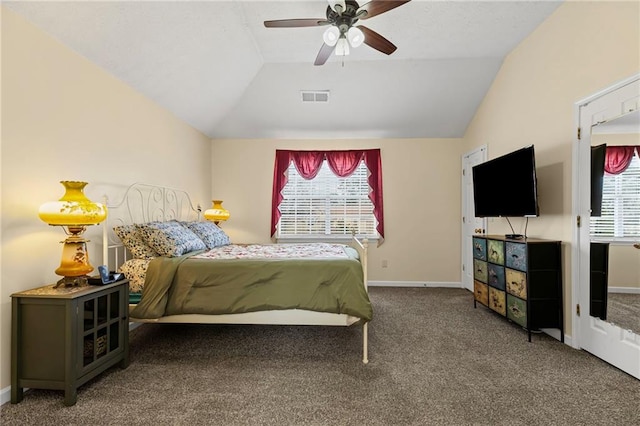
(514, 236)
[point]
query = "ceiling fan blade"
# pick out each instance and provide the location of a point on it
(375, 40)
(295, 23)
(376, 7)
(324, 54)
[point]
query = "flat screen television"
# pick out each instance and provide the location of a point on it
(507, 186)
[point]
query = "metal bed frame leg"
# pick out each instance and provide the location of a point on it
(364, 246)
(365, 343)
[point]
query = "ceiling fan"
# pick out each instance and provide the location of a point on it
(342, 15)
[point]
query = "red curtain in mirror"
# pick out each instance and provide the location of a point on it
(342, 163)
(618, 158)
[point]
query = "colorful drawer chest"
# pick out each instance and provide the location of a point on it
(520, 280)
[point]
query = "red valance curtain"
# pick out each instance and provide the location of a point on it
(618, 158)
(342, 163)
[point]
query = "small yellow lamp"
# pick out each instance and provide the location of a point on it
(74, 212)
(217, 213)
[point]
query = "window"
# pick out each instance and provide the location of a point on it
(620, 218)
(327, 193)
(327, 204)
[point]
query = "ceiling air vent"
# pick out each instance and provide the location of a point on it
(315, 96)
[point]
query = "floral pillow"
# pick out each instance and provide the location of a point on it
(135, 270)
(134, 242)
(209, 233)
(170, 238)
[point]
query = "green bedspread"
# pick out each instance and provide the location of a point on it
(187, 285)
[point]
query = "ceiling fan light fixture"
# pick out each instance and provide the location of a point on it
(355, 36)
(342, 33)
(331, 36)
(342, 47)
(338, 6)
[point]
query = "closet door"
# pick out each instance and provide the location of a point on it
(617, 346)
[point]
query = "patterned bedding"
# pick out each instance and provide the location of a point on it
(276, 251)
(240, 278)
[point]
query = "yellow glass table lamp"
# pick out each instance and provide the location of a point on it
(74, 212)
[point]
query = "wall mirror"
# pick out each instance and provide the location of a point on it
(615, 213)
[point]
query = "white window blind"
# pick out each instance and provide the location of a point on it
(326, 205)
(620, 218)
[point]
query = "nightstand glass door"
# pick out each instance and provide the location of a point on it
(102, 327)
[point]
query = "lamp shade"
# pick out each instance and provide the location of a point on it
(73, 209)
(331, 36)
(355, 36)
(217, 213)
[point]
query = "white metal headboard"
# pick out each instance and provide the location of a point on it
(142, 203)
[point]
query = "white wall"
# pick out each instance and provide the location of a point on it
(64, 118)
(580, 49)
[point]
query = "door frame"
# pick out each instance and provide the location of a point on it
(465, 210)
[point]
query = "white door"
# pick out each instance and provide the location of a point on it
(605, 340)
(471, 225)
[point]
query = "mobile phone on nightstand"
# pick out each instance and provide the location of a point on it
(108, 278)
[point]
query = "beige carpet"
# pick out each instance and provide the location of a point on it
(624, 310)
(435, 360)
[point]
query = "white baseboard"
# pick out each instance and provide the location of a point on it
(5, 395)
(628, 290)
(413, 284)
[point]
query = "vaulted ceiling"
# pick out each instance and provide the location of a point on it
(215, 65)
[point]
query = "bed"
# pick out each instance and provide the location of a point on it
(176, 278)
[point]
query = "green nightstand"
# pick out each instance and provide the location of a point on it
(63, 337)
